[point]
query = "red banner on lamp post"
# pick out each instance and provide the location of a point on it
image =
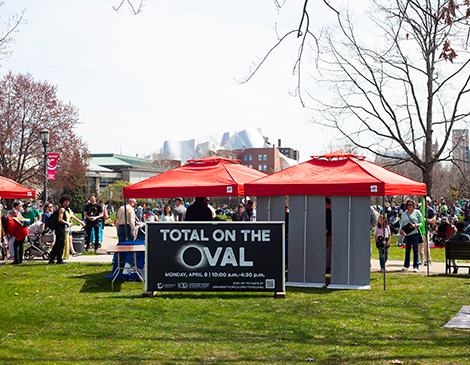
(52, 161)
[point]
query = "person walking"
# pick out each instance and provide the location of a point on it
(409, 225)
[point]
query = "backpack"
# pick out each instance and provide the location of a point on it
(53, 221)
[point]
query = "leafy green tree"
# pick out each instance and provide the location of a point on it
(116, 192)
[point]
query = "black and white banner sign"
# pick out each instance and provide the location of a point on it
(215, 256)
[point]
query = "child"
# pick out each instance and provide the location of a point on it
(385, 239)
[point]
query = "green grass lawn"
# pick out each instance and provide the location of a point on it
(53, 314)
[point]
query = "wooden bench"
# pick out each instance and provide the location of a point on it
(457, 250)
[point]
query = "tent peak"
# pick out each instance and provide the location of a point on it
(338, 155)
(212, 159)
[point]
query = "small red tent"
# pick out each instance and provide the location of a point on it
(337, 174)
(208, 176)
(10, 189)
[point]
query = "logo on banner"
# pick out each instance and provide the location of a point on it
(373, 189)
(52, 161)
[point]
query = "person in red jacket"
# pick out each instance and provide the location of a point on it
(18, 229)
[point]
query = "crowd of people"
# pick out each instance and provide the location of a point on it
(26, 221)
(26, 217)
(408, 222)
(129, 217)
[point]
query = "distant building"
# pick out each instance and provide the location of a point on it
(241, 145)
(106, 168)
(288, 152)
(262, 159)
(434, 148)
(460, 154)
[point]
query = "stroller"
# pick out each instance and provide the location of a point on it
(38, 242)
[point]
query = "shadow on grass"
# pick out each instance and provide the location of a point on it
(454, 276)
(97, 282)
(295, 289)
(212, 295)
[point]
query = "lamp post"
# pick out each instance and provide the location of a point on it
(45, 142)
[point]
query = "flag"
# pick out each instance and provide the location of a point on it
(52, 161)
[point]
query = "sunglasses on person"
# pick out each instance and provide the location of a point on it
(410, 205)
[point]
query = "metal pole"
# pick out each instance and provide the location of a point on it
(45, 173)
(426, 233)
(383, 248)
(349, 239)
(305, 237)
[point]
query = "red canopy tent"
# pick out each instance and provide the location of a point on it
(208, 176)
(10, 189)
(337, 174)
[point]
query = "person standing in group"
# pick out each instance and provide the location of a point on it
(48, 210)
(125, 221)
(93, 214)
(237, 215)
(207, 201)
(198, 211)
(83, 210)
(180, 210)
(138, 213)
(167, 215)
(410, 222)
(382, 238)
(30, 213)
(249, 214)
(68, 248)
(59, 245)
(444, 208)
(17, 228)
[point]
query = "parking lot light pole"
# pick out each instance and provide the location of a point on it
(45, 142)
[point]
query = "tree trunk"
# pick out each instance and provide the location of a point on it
(427, 177)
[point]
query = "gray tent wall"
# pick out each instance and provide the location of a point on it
(350, 257)
(271, 208)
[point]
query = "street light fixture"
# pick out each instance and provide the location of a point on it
(45, 142)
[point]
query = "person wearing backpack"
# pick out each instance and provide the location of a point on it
(58, 222)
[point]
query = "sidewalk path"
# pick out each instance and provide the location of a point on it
(396, 266)
(110, 239)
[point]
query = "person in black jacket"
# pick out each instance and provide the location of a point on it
(198, 211)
